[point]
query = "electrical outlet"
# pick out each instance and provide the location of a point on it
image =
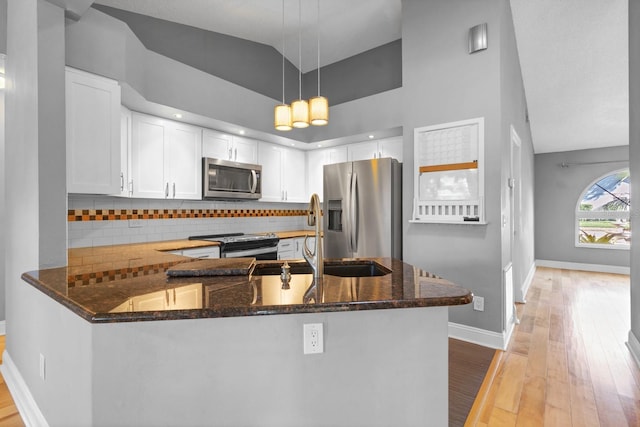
(478, 303)
(313, 338)
(42, 367)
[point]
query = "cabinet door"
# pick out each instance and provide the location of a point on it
(125, 148)
(316, 160)
(337, 155)
(186, 297)
(271, 158)
(245, 150)
(151, 302)
(147, 157)
(183, 161)
(216, 145)
(286, 249)
(391, 147)
(295, 176)
(93, 133)
(363, 151)
(208, 252)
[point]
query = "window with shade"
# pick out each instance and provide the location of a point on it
(603, 213)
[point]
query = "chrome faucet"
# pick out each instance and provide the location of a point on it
(315, 258)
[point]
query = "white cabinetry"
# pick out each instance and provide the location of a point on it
(125, 152)
(284, 173)
(388, 147)
(219, 145)
(165, 158)
(202, 253)
(93, 133)
(316, 160)
(290, 248)
(179, 298)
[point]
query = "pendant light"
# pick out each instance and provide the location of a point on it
(300, 107)
(318, 105)
(282, 113)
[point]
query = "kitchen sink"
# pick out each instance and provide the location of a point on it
(351, 268)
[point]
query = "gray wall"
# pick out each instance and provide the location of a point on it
(258, 66)
(557, 191)
(443, 83)
(519, 247)
(103, 45)
(25, 235)
(634, 156)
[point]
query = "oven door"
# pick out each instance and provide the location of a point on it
(264, 253)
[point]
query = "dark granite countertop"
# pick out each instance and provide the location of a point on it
(147, 293)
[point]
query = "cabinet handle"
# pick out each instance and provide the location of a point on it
(285, 194)
(174, 190)
(379, 154)
(166, 191)
(131, 188)
(230, 158)
(282, 195)
(235, 155)
(166, 293)
(121, 181)
(174, 296)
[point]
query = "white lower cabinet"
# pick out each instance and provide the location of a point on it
(180, 298)
(293, 248)
(203, 253)
(284, 174)
(165, 159)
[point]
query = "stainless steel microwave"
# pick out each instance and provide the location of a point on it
(224, 179)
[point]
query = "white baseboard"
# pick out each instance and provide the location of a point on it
(634, 347)
(490, 339)
(527, 282)
(22, 397)
(601, 268)
(3, 327)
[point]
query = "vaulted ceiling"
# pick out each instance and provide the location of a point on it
(573, 53)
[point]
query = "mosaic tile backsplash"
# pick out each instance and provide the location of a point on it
(101, 220)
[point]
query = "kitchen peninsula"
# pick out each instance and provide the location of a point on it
(227, 350)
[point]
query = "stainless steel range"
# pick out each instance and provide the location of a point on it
(237, 245)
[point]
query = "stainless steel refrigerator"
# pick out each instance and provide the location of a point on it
(363, 209)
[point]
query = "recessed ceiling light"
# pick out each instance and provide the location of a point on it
(370, 136)
(241, 132)
(319, 145)
(177, 115)
(293, 144)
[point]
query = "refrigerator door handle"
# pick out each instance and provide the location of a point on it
(353, 213)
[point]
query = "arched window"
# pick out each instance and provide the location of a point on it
(602, 213)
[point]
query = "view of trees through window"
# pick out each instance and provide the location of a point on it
(603, 212)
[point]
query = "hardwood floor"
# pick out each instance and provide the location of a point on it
(9, 415)
(567, 363)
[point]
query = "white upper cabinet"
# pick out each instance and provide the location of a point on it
(165, 159)
(316, 159)
(219, 145)
(284, 173)
(125, 148)
(388, 147)
(93, 133)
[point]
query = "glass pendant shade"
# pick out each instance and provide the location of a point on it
(300, 113)
(318, 111)
(282, 116)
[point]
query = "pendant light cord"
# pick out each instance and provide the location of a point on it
(283, 52)
(318, 37)
(299, 49)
